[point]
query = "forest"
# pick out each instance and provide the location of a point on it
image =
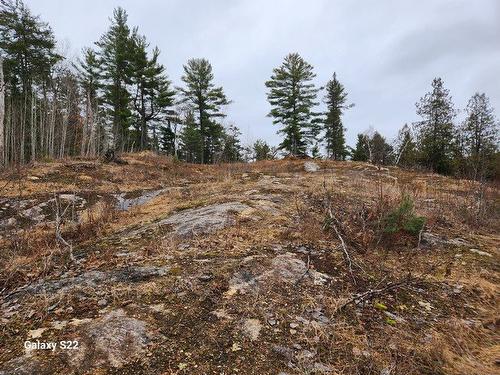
(118, 96)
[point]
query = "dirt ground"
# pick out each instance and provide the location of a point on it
(159, 267)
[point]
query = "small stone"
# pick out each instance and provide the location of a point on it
(293, 325)
(102, 302)
(205, 277)
(271, 322)
(293, 331)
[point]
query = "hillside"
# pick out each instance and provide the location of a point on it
(275, 267)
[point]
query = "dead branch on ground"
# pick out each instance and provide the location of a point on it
(371, 293)
(59, 236)
(347, 256)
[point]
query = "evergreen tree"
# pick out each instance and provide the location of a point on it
(28, 49)
(89, 78)
(28, 45)
(232, 151)
(380, 149)
(169, 134)
(213, 141)
(360, 152)
(292, 96)
(153, 95)
(115, 56)
(335, 99)
(207, 101)
(191, 140)
(435, 131)
(315, 152)
(261, 150)
(406, 153)
(480, 135)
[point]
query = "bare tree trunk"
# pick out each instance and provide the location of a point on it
(2, 116)
(33, 126)
(92, 128)
(403, 147)
(23, 127)
(64, 131)
(85, 129)
(51, 133)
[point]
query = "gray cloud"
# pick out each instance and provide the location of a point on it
(386, 52)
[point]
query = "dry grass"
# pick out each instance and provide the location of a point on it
(457, 334)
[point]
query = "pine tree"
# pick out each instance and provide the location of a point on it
(380, 149)
(406, 153)
(232, 147)
(115, 48)
(207, 101)
(28, 46)
(89, 78)
(335, 99)
(261, 150)
(191, 140)
(360, 152)
(480, 135)
(169, 133)
(435, 131)
(292, 96)
(214, 141)
(153, 95)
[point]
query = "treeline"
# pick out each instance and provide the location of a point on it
(438, 142)
(118, 97)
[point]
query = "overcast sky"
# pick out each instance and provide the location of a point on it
(386, 52)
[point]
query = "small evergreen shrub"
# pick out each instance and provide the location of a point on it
(403, 218)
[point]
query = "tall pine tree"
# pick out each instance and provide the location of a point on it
(153, 95)
(207, 101)
(115, 57)
(89, 77)
(292, 96)
(435, 131)
(480, 135)
(28, 48)
(336, 102)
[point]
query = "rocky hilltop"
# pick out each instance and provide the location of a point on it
(276, 267)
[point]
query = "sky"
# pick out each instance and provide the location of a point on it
(385, 52)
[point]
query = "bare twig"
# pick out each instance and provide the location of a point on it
(369, 294)
(347, 256)
(59, 236)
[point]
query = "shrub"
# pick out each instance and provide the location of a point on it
(403, 218)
